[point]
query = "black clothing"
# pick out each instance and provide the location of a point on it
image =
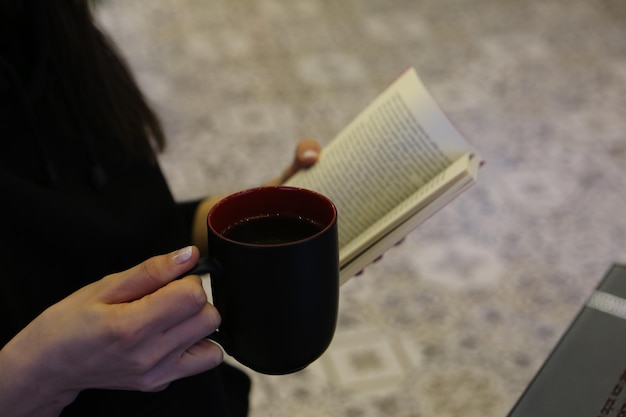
(55, 240)
(219, 392)
(60, 230)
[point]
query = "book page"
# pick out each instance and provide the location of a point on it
(400, 142)
(414, 210)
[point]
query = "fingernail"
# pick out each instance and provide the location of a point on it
(310, 154)
(182, 255)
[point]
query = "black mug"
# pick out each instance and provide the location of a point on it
(274, 266)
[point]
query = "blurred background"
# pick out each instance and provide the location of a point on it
(457, 320)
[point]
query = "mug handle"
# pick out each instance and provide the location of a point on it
(208, 266)
(204, 266)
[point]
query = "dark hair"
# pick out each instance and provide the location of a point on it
(67, 65)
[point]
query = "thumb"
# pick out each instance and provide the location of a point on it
(307, 154)
(148, 276)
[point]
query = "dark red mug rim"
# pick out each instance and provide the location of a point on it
(271, 200)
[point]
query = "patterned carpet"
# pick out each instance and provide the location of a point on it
(457, 320)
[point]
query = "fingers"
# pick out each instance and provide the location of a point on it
(170, 313)
(173, 304)
(307, 154)
(163, 331)
(200, 357)
(148, 276)
(183, 350)
(193, 328)
(137, 329)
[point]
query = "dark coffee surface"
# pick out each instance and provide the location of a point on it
(272, 229)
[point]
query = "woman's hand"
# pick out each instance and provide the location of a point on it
(306, 155)
(135, 330)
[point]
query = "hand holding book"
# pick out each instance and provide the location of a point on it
(397, 163)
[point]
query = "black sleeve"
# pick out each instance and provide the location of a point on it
(187, 210)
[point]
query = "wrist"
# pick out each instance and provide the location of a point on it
(25, 389)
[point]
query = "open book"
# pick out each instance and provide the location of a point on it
(397, 163)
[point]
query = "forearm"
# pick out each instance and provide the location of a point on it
(24, 391)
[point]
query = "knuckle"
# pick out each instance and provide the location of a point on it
(157, 388)
(213, 318)
(124, 341)
(118, 331)
(151, 270)
(148, 382)
(143, 364)
(191, 288)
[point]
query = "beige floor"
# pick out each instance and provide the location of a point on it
(456, 321)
